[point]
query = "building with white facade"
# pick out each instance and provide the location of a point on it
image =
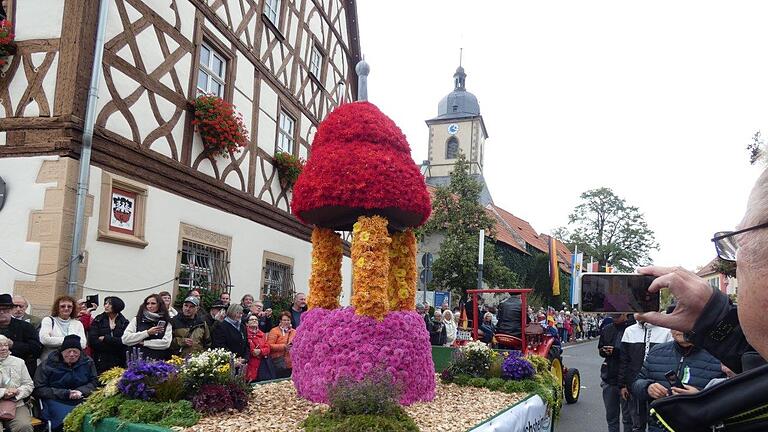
(163, 214)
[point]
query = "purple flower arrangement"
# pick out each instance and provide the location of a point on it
(334, 344)
(141, 378)
(516, 367)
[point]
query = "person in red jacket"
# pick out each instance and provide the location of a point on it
(257, 341)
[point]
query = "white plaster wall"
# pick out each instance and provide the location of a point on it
(39, 19)
(23, 196)
(118, 269)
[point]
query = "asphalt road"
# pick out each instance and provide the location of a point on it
(588, 414)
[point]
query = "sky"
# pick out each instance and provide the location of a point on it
(656, 100)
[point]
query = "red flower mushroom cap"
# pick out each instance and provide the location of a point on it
(360, 164)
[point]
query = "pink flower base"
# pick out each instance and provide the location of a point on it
(336, 343)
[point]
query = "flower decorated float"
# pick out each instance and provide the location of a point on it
(361, 178)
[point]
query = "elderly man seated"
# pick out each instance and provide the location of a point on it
(64, 380)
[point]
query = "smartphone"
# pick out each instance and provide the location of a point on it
(161, 323)
(92, 300)
(617, 293)
(673, 379)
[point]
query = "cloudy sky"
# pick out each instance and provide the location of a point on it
(656, 100)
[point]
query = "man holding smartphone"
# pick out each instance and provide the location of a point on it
(608, 347)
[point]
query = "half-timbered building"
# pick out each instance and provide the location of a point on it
(162, 213)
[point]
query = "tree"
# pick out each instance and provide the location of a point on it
(459, 217)
(755, 148)
(604, 227)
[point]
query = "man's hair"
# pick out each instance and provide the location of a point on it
(164, 293)
(233, 310)
(296, 296)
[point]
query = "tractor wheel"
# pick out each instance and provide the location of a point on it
(557, 369)
(572, 385)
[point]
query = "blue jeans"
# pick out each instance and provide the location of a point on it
(615, 405)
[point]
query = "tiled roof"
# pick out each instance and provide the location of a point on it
(522, 228)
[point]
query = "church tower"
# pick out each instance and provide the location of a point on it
(458, 127)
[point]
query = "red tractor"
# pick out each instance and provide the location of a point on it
(534, 340)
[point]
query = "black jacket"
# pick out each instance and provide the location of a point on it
(26, 342)
(611, 336)
(636, 339)
(437, 333)
(226, 336)
(109, 352)
(54, 379)
(509, 315)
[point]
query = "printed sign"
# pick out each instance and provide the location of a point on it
(122, 211)
(530, 415)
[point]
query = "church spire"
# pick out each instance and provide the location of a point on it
(459, 79)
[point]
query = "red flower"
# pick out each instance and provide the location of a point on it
(220, 126)
(360, 164)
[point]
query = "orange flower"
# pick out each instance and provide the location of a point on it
(370, 255)
(325, 280)
(401, 290)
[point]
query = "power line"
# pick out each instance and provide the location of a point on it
(42, 274)
(131, 290)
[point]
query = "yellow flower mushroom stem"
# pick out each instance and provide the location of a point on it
(325, 280)
(370, 258)
(401, 291)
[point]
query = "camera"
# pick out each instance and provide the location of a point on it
(618, 293)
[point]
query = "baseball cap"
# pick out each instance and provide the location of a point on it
(194, 300)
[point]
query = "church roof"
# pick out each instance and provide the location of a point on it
(459, 103)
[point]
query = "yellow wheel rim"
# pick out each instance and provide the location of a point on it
(575, 387)
(557, 370)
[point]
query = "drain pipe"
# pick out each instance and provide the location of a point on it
(85, 154)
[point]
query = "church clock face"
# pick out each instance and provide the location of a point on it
(453, 128)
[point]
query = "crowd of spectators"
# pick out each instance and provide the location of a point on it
(57, 358)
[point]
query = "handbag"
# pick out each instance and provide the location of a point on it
(738, 404)
(7, 409)
(266, 370)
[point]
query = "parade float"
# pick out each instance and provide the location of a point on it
(368, 366)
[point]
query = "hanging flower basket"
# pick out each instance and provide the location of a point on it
(7, 47)
(288, 168)
(220, 126)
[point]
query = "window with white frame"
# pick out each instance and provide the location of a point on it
(315, 61)
(213, 69)
(204, 267)
(285, 137)
(272, 11)
(715, 282)
(278, 279)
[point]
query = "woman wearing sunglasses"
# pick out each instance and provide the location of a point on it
(61, 323)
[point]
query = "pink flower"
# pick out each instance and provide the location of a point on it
(335, 343)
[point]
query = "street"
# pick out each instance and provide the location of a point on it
(588, 414)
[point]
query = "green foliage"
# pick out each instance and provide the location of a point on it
(519, 386)
(461, 379)
(288, 167)
(494, 384)
(171, 390)
(279, 302)
(477, 382)
(165, 414)
(208, 296)
(727, 268)
(458, 215)
(397, 421)
(605, 227)
(375, 394)
(495, 369)
(540, 364)
(533, 272)
(97, 405)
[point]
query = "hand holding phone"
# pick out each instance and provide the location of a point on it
(673, 379)
(618, 293)
(607, 349)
